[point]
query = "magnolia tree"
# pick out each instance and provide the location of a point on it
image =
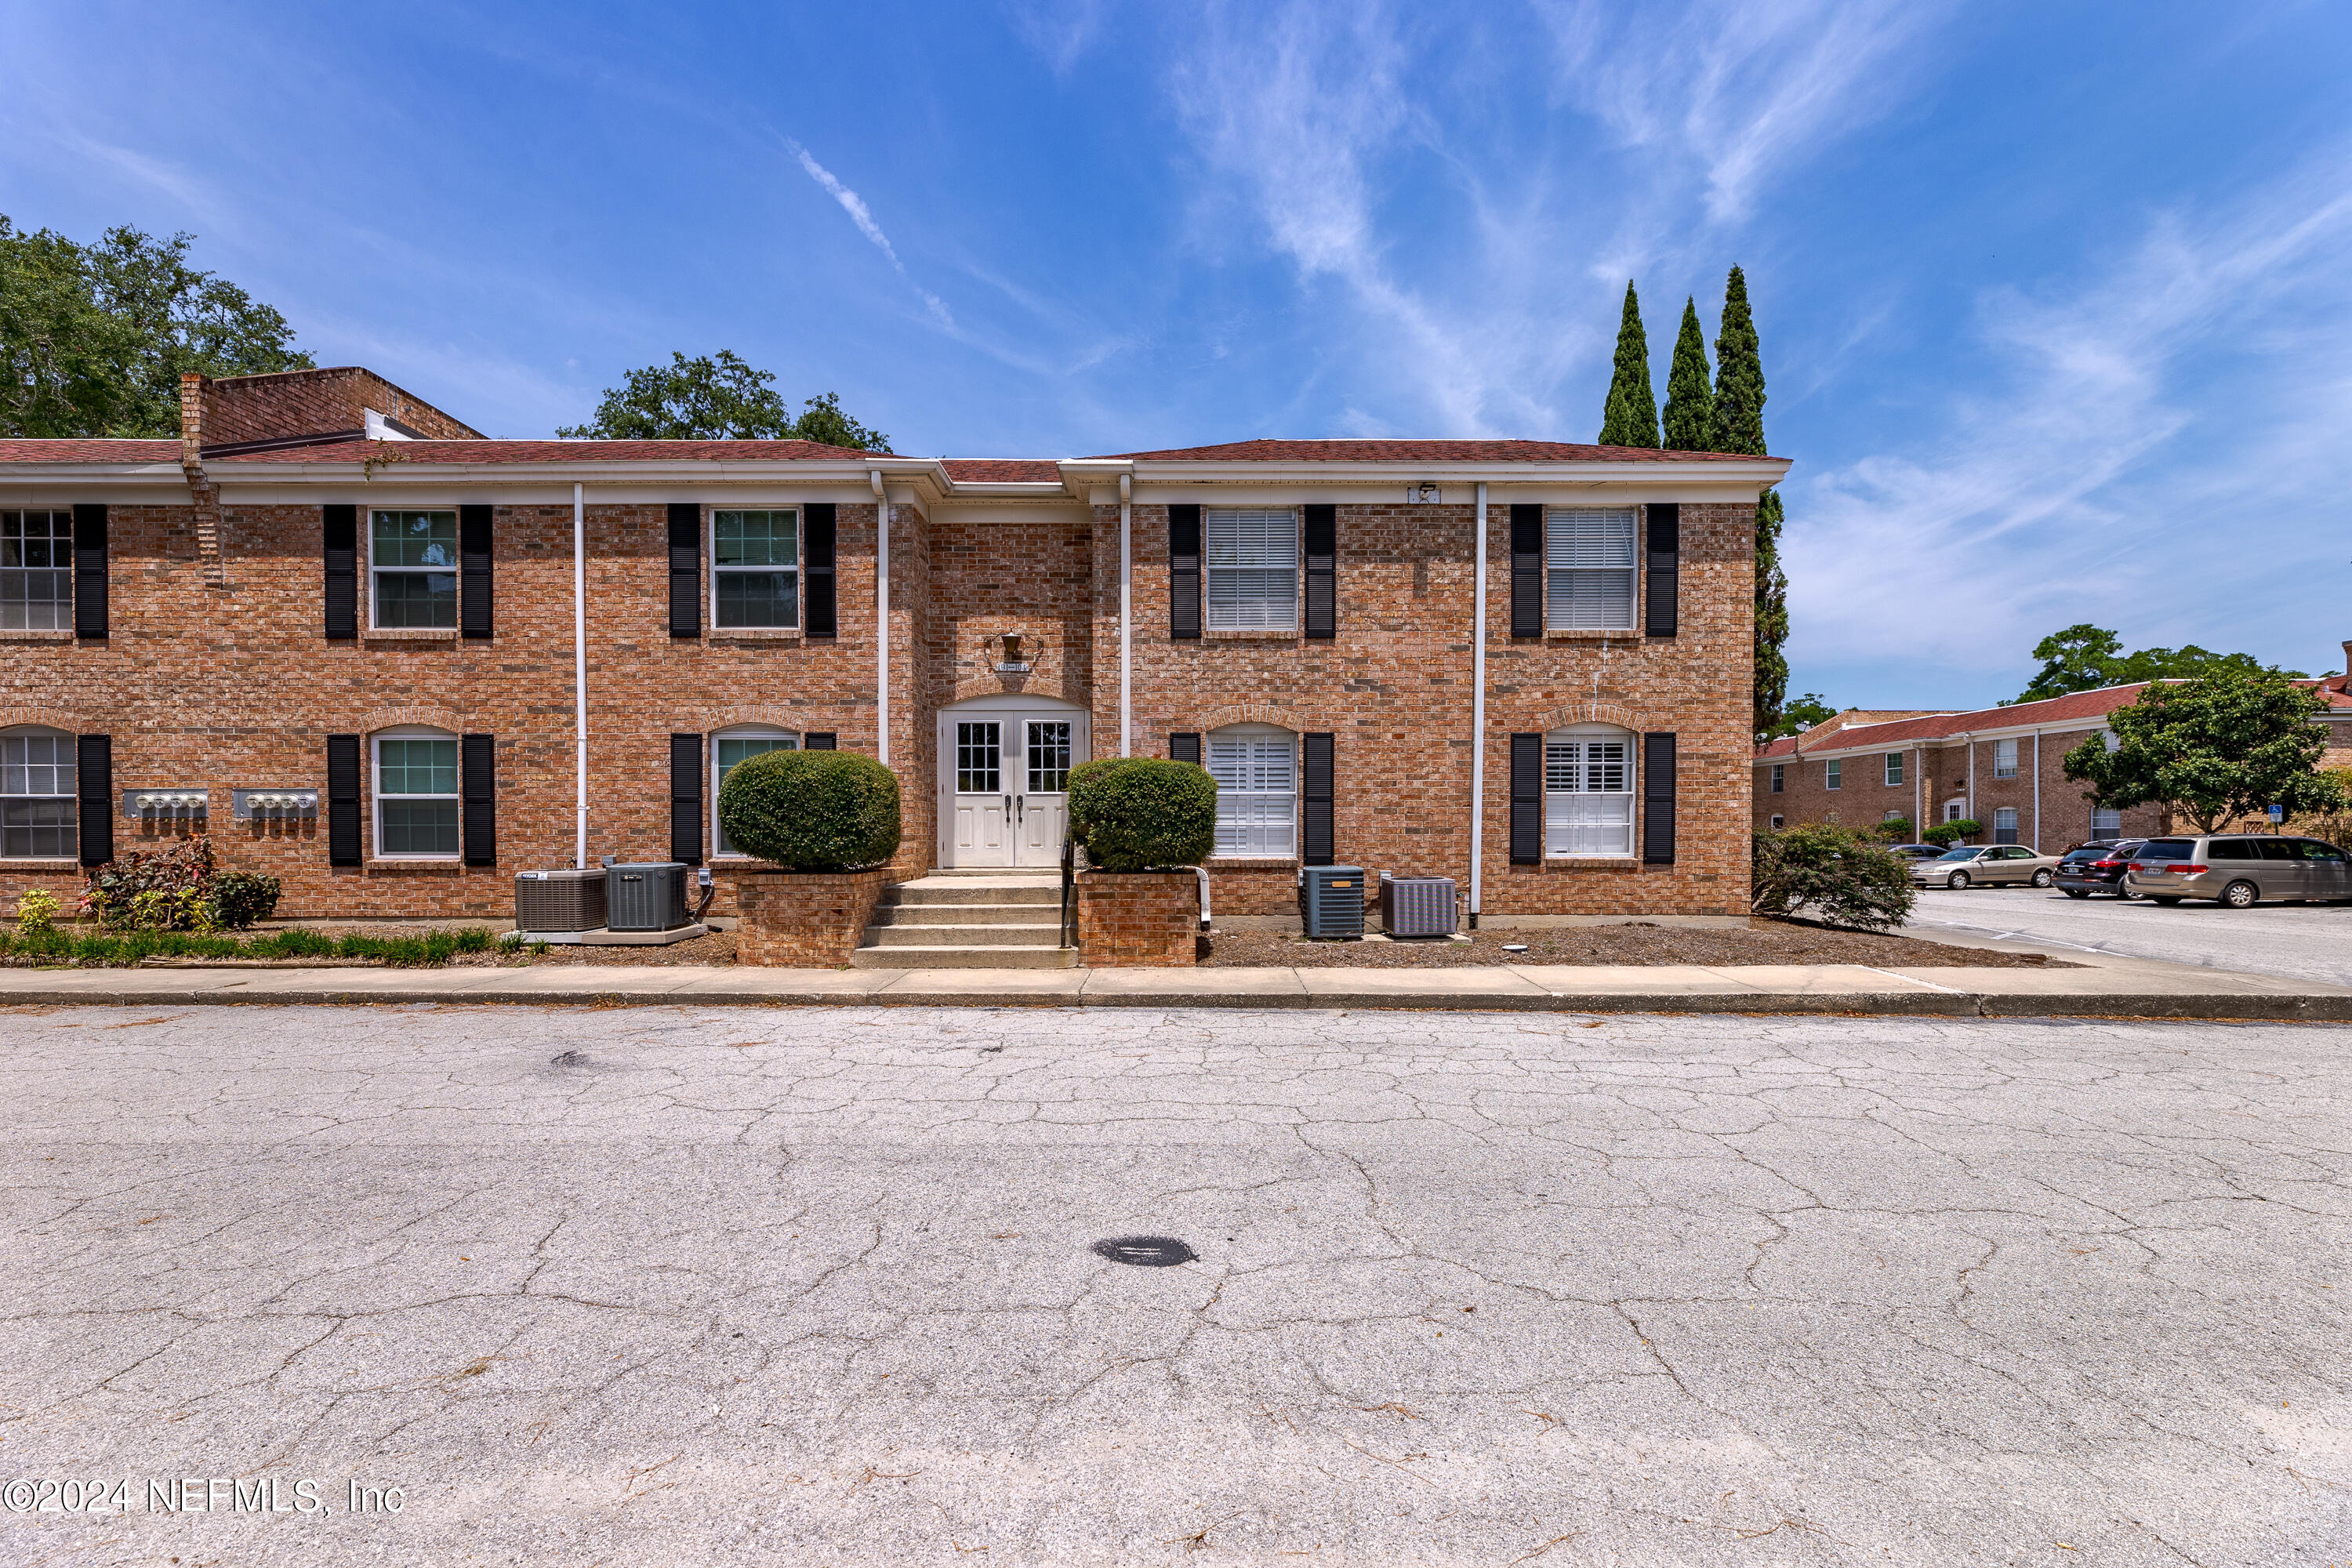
(2212, 750)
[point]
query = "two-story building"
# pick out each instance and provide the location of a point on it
(392, 662)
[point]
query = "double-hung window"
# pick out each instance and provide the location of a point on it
(2004, 759)
(755, 568)
(1894, 769)
(1834, 773)
(1256, 770)
(1589, 569)
(2107, 823)
(1252, 563)
(1779, 774)
(413, 568)
(728, 748)
(35, 571)
(1588, 791)
(417, 794)
(2004, 824)
(37, 795)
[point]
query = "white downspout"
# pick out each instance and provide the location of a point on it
(1478, 717)
(2037, 792)
(580, 666)
(1971, 812)
(1126, 642)
(881, 617)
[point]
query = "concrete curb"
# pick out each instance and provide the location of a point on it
(1812, 993)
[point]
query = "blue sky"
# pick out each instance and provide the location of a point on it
(2054, 297)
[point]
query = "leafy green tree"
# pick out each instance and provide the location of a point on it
(2084, 658)
(2213, 750)
(1943, 835)
(1799, 714)
(716, 398)
(94, 338)
(1740, 427)
(1629, 417)
(1690, 401)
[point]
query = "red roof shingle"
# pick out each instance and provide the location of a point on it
(92, 450)
(1381, 450)
(1002, 470)
(551, 452)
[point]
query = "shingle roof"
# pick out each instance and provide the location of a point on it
(88, 451)
(1388, 451)
(1002, 470)
(551, 452)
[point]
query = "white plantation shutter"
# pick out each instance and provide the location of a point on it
(1588, 794)
(1258, 792)
(1589, 569)
(1251, 561)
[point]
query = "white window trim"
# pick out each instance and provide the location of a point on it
(1631, 789)
(72, 797)
(61, 608)
(2010, 771)
(376, 795)
(1209, 571)
(1298, 773)
(1632, 570)
(1776, 824)
(710, 772)
(1777, 777)
(799, 568)
(454, 572)
(1834, 773)
(1893, 761)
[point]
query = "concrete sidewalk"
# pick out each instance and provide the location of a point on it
(2108, 987)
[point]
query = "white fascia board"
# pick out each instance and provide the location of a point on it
(1737, 477)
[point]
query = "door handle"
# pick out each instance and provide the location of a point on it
(1008, 805)
(1021, 808)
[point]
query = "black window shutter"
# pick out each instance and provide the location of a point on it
(685, 569)
(1665, 568)
(1322, 543)
(1184, 571)
(816, 566)
(1527, 799)
(685, 799)
(1315, 844)
(340, 528)
(94, 807)
(1184, 746)
(90, 572)
(474, 572)
(820, 740)
(1527, 571)
(478, 783)
(1658, 798)
(343, 798)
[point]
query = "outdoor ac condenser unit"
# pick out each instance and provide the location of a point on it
(1417, 906)
(560, 900)
(1331, 900)
(649, 895)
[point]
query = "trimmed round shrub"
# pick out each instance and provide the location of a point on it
(1135, 812)
(240, 898)
(812, 811)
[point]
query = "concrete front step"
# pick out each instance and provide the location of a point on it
(975, 891)
(967, 914)
(962, 936)
(964, 958)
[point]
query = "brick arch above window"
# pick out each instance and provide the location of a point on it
(14, 715)
(792, 720)
(429, 718)
(1210, 719)
(1051, 683)
(1596, 714)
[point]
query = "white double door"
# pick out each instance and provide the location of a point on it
(1004, 782)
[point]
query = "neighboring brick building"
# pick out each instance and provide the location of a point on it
(331, 594)
(2003, 768)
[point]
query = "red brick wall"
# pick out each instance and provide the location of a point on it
(1936, 774)
(806, 920)
(1138, 919)
(311, 403)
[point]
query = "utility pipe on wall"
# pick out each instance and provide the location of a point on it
(2037, 792)
(1126, 641)
(1478, 714)
(881, 617)
(580, 666)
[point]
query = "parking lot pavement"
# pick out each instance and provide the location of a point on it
(774, 1285)
(2298, 941)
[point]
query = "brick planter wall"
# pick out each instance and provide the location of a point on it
(1137, 920)
(806, 920)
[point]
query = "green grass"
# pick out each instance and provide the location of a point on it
(130, 947)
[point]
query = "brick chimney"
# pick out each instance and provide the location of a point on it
(201, 492)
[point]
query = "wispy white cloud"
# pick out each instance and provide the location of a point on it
(2157, 437)
(863, 216)
(1743, 90)
(1058, 31)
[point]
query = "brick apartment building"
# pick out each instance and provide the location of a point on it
(2003, 768)
(335, 629)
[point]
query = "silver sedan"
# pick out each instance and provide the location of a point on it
(1986, 865)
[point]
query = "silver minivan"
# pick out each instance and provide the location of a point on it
(2239, 870)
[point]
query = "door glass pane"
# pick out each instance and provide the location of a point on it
(979, 749)
(1049, 758)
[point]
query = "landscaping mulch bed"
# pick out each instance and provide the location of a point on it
(1764, 942)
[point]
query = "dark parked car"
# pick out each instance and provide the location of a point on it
(2098, 867)
(1918, 851)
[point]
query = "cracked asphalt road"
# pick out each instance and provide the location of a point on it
(813, 1286)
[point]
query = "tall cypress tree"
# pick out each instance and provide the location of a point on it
(1690, 401)
(1740, 427)
(1629, 417)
